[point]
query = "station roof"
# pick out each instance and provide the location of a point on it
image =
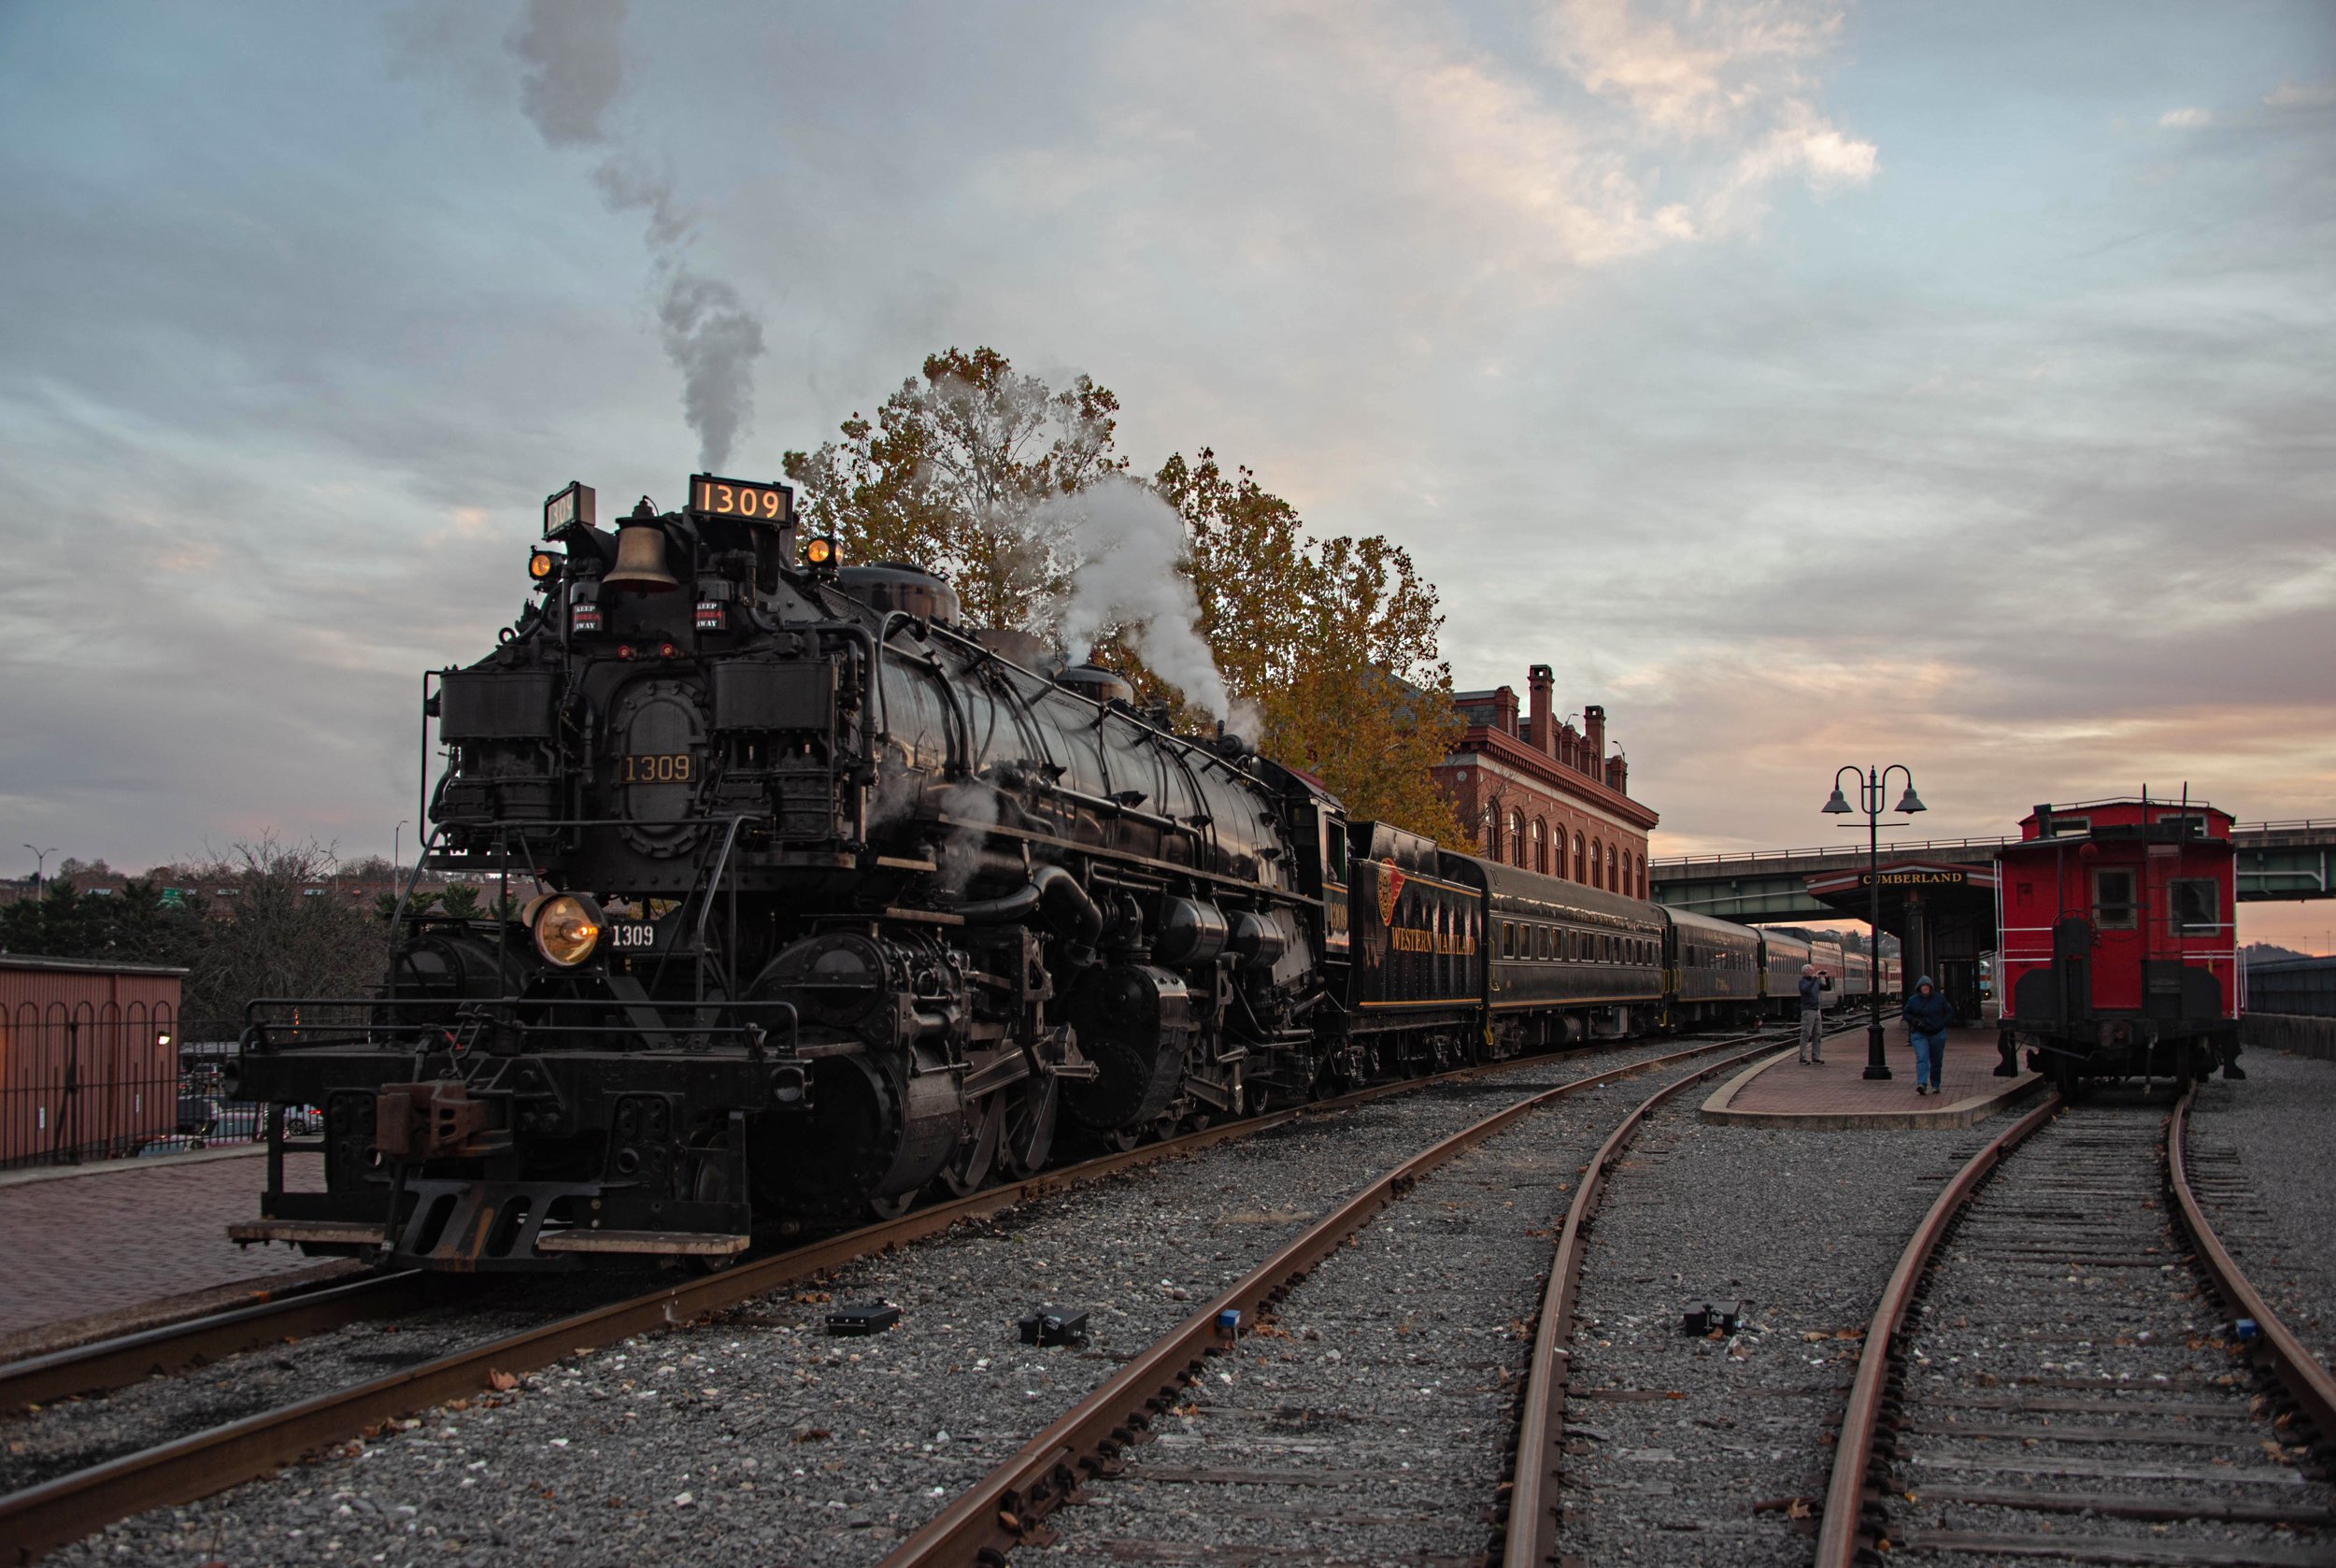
(1965, 892)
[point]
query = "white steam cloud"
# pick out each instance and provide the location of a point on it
(573, 50)
(1129, 541)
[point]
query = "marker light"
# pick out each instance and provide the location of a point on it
(543, 565)
(567, 929)
(818, 553)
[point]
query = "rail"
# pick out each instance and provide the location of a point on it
(1531, 1537)
(984, 1524)
(38, 1518)
(1841, 1535)
(2306, 1380)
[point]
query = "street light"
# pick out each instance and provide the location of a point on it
(1870, 785)
(40, 859)
(396, 839)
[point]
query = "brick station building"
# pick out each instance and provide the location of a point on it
(1544, 795)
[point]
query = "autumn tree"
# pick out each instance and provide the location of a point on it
(954, 474)
(1331, 643)
(1328, 647)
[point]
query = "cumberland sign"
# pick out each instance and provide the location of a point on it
(1918, 877)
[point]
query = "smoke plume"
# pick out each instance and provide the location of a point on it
(573, 54)
(1129, 542)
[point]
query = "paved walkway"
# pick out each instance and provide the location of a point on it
(1783, 1092)
(105, 1241)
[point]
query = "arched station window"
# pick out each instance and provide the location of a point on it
(1517, 838)
(1580, 873)
(1541, 847)
(1596, 864)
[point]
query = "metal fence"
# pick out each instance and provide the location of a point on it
(111, 1083)
(2299, 988)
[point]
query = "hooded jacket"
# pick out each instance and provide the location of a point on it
(1928, 1014)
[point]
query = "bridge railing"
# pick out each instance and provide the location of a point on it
(1894, 845)
(1898, 846)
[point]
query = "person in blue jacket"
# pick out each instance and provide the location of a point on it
(1927, 1017)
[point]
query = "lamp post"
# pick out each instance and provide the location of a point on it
(1870, 785)
(41, 860)
(396, 842)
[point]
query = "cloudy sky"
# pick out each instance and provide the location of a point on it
(1947, 384)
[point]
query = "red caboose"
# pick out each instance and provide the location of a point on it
(2118, 948)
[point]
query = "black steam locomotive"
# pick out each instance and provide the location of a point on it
(820, 901)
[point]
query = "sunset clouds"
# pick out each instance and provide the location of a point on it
(1810, 383)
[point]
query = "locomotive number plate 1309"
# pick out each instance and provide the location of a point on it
(715, 497)
(663, 767)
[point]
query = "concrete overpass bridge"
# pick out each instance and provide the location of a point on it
(2276, 860)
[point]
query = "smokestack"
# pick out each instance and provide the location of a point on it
(1537, 681)
(1594, 740)
(1618, 775)
(1504, 710)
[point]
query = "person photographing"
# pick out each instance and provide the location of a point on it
(1812, 984)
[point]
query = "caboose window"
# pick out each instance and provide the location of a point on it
(2193, 906)
(2113, 899)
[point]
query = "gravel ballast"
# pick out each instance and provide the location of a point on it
(1717, 1449)
(2065, 1368)
(756, 1437)
(2263, 1161)
(1375, 1420)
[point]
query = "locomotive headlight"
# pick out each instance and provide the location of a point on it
(567, 927)
(819, 554)
(543, 565)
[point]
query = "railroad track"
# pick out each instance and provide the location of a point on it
(2052, 1375)
(1303, 1426)
(69, 1506)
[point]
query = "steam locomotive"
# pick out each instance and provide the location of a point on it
(817, 901)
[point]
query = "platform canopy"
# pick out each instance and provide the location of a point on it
(1941, 913)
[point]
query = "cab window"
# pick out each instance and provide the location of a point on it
(2193, 906)
(2113, 898)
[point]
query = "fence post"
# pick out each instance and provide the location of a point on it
(70, 1104)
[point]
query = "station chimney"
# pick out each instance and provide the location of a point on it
(1538, 681)
(1594, 741)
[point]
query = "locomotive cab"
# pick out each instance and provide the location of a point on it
(2119, 941)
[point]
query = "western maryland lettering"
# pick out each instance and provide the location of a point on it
(1419, 939)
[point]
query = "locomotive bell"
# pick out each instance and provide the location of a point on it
(640, 566)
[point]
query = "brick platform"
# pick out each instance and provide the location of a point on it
(106, 1242)
(1781, 1093)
